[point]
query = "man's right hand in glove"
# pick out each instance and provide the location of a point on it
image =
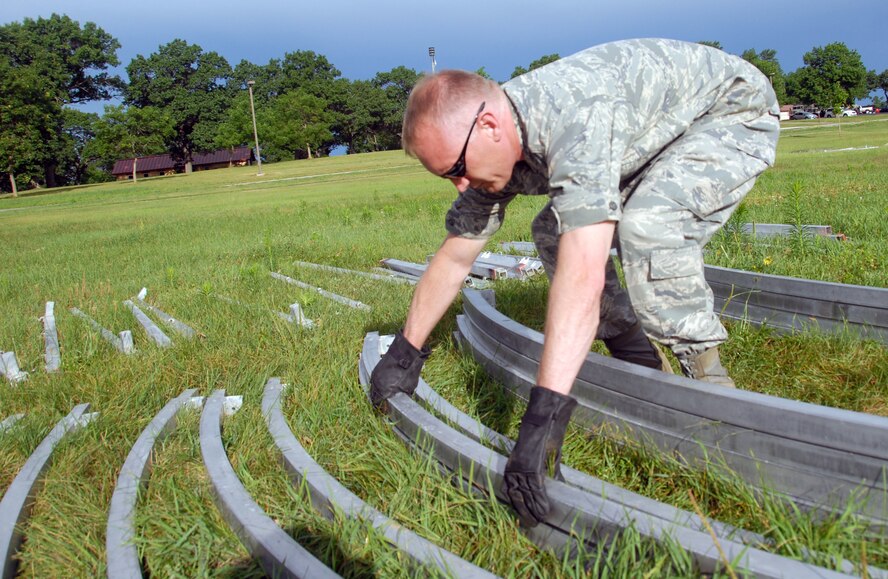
(397, 371)
(539, 438)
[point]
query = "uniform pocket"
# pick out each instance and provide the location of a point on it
(674, 263)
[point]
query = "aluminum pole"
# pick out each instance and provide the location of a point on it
(250, 84)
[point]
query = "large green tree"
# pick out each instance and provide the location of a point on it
(76, 166)
(362, 111)
(396, 85)
(26, 114)
(129, 132)
(833, 77)
(191, 85)
(766, 61)
(303, 70)
(298, 126)
(64, 63)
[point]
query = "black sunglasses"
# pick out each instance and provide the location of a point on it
(459, 168)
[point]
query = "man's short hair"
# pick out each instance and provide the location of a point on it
(437, 100)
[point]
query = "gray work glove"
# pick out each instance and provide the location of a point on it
(540, 436)
(397, 371)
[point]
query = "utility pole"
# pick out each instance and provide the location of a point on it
(250, 84)
(432, 56)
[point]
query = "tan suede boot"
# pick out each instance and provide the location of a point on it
(665, 366)
(707, 367)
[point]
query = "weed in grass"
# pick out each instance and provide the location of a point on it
(269, 251)
(799, 237)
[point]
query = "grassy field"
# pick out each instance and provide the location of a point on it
(190, 239)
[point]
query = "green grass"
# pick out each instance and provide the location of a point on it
(188, 238)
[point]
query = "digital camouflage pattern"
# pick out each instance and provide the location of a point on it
(664, 137)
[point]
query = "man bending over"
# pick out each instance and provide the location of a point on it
(648, 145)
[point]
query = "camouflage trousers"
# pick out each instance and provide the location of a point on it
(672, 208)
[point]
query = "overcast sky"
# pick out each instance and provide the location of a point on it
(361, 38)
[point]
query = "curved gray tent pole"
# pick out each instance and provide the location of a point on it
(478, 432)
(791, 304)
(121, 553)
(813, 453)
(15, 508)
(278, 553)
(327, 494)
(579, 512)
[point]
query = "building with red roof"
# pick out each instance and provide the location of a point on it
(155, 165)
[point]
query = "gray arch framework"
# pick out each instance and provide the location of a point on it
(576, 512)
(822, 458)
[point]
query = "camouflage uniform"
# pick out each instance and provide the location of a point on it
(663, 137)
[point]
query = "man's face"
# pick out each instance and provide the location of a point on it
(486, 164)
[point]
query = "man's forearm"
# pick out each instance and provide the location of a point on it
(574, 305)
(438, 287)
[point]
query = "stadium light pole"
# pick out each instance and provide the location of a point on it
(250, 84)
(432, 56)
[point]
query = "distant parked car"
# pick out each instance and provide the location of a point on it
(827, 114)
(800, 115)
(849, 113)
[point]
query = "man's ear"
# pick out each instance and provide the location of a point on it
(490, 125)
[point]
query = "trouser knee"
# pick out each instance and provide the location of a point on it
(668, 288)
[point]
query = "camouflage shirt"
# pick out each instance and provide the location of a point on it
(592, 120)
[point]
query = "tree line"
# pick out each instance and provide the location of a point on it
(183, 100)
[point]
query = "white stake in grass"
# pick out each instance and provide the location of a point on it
(122, 343)
(150, 327)
(179, 327)
(294, 317)
(9, 367)
(330, 295)
(51, 337)
(297, 317)
(9, 422)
